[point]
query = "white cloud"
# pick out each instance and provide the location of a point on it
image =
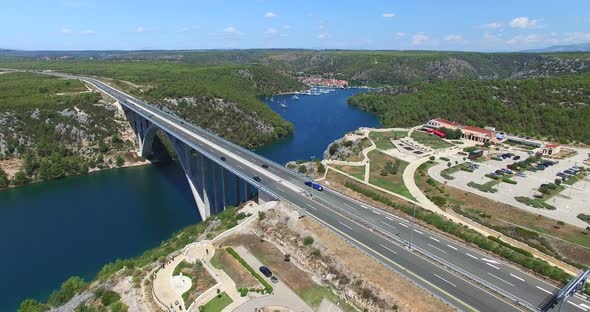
(323, 36)
(453, 37)
(388, 15)
(88, 32)
(577, 37)
(493, 25)
(67, 31)
(270, 15)
(399, 35)
(271, 31)
(419, 38)
(231, 30)
(524, 40)
(139, 29)
(525, 23)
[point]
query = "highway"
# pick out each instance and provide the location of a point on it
(437, 263)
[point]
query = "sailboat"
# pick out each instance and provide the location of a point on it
(283, 104)
(295, 97)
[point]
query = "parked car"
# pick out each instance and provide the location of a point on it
(532, 169)
(266, 271)
(265, 166)
(316, 186)
(274, 279)
(561, 175)
(257, 179)
(520, 174)
(569, 172)
(516, 157)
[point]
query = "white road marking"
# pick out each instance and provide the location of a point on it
(474, 257)
(310, 206)
(345, 225)
(434, 239)
(452, 247)
(516, 277)
(445, 280)
(429, 244)
(347, 205)
(577, 306)
(584, 305)
(365, 206)
(388, 224)
(388, 249)
(545, 290)
(280, 189)
(388, 218)
(490, 261)
(418, 232)
(403, 225)
(375, 212)
(493, 266)
(503, 280)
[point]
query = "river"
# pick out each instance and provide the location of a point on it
(52, 230)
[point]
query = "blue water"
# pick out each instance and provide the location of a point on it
(50, 231)
(318, 120)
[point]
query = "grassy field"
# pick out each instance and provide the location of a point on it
(392, 181)
(382, 139)
(430, 140)
(217, 304)
(224, 261)
(355, 171)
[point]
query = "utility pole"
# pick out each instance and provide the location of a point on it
(412, 231)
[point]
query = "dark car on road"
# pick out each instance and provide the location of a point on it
(265, 166)
(223, 158)
(516, 157)
(316, 186)
(266, 271)
(257, 179)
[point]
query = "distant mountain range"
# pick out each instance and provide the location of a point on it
(581, 47)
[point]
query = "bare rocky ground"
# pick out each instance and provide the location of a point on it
(355, 277)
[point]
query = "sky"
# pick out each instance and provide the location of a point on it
(461, 25)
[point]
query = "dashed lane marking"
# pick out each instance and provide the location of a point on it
(577, 306)
(388, 224)
(503, 280)
(445, 280)
(474, 257)
(345, 225)
(493, 266)
(455, 248)
(429, 244)
(388, 249)
(545, 290)
(516, 277)
(434, 239)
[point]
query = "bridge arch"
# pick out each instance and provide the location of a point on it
(213, 186)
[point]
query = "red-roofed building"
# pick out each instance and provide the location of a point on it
(478, 134)
(439, 122)
(551, 149)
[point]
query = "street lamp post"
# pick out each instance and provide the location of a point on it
(412, 230)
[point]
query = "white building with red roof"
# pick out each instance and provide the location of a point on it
(439, 122)
(478, 134)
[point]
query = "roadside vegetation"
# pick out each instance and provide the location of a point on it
(387, 172)
(355, 171)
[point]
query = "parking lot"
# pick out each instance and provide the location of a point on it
(569, 203)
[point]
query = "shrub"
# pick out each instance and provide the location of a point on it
(120, 161)
(69, 288)
(308, 240)
(444, 158)
(439, 201)
(432, 158)
(109, 297)
(508, 180)
(119, 306)
(267, 287)
(261, 215)
(302, 169)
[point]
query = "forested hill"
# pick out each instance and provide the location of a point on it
(555, 108)
(222, 98)
(360, 67)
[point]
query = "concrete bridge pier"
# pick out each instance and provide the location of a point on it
(213, 186)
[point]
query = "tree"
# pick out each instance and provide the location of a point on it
(321, 168)
(302, 169)
(20, 178)
(334, 148)
(4, 181)
(558, 181)
(120, 161)
(487, 144)
(449, 164)
(32, 305)
(308, 240)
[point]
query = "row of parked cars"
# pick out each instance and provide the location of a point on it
(542, 165)
(569, 172)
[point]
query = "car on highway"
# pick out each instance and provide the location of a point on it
(266, 271)
(223, 158)
(316, 186)
(265, 166)
(257, 178)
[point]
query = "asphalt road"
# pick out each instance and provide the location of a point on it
(375, 232)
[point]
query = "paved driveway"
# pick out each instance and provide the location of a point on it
(282, 296)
